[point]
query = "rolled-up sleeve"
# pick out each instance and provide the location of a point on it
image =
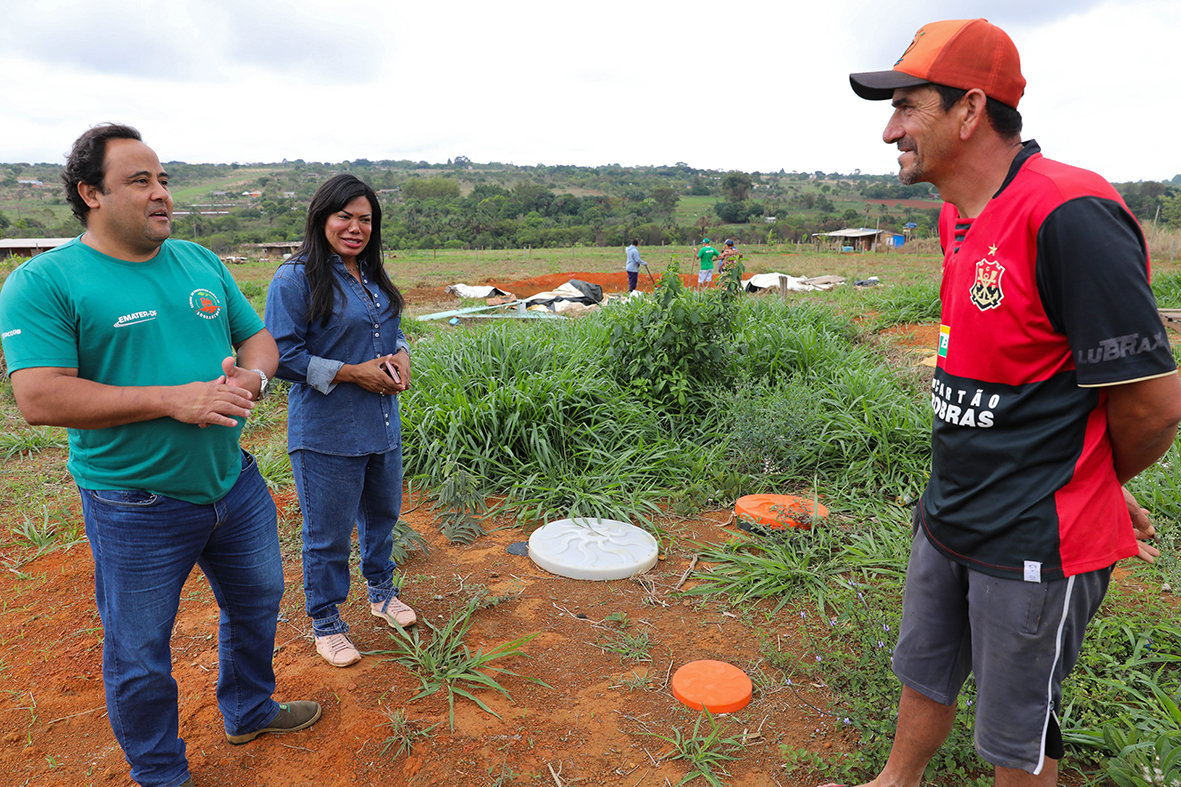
(400, 343)
(285, 318)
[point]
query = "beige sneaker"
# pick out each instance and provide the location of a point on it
(338, 650)
(394, 612)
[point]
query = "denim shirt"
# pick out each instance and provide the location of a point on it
(342, 419)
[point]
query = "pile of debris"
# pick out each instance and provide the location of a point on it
(570, 299)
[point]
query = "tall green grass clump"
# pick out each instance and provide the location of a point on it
(1167, 289)
(905, 303)
(531, 413)
(815, 406)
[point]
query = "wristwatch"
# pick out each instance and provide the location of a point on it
(262, 389)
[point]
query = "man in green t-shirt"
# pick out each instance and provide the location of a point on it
(707, 254)
(145, 350)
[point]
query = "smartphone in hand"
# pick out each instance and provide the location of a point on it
(392, 371)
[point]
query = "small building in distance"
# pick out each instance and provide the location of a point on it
(280, 250)
(849, 239)
(29, 247)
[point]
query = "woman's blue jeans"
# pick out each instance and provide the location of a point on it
(334, 493)
(145, 547)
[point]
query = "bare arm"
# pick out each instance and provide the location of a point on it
(57, 396)
(1142, 420)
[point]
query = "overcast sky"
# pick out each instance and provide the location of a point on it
(741, 84)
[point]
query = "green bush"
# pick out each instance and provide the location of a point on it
(670, 348)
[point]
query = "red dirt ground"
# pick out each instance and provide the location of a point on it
(590, 726)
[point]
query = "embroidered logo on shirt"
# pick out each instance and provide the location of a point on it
(986, 291)
(135, 318)
(944, 339)
(204, 304)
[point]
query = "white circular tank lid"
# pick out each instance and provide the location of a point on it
(593, 549)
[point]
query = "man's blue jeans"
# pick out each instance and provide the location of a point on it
(334, 493)
(144, 547)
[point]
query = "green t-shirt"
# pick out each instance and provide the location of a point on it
(168, 321)
(707, 254)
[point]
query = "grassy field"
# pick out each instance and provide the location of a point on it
(202, 192)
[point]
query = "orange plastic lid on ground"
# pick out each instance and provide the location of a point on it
(778, 511)
(713, 685)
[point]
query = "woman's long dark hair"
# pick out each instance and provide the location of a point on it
(316, 253)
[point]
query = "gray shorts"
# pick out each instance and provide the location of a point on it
(1019, 638)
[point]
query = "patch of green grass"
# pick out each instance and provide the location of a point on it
(275, 465)
(1167, 289)
(798, 562)
(45, 531)
(907, 303)
(1128, 677)
(1158, 489)
(29, 441)
(406, 541)
(446, 662)
(271, 412)
(847, 650)
(404, 733)
(636, 647)
(706, 754)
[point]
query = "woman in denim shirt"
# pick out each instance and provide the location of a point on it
(335, 315)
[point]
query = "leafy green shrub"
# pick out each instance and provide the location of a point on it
(1152, 763)
(688, 398)
(670, 348)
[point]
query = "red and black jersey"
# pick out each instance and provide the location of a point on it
(1046, 299)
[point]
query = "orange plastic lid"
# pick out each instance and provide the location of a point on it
(778, 511)
(713, 685)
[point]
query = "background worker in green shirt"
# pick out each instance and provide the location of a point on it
(707, 254)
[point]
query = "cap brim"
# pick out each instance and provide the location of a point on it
(880, 85)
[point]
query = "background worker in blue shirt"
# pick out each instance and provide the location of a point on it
(633, 265)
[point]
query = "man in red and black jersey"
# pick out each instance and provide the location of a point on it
(1055, 385)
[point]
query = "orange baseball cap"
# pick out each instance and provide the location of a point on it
(961, 53)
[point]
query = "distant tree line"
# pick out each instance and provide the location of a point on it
(462, 204)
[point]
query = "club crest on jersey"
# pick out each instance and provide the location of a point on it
(986, 290)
